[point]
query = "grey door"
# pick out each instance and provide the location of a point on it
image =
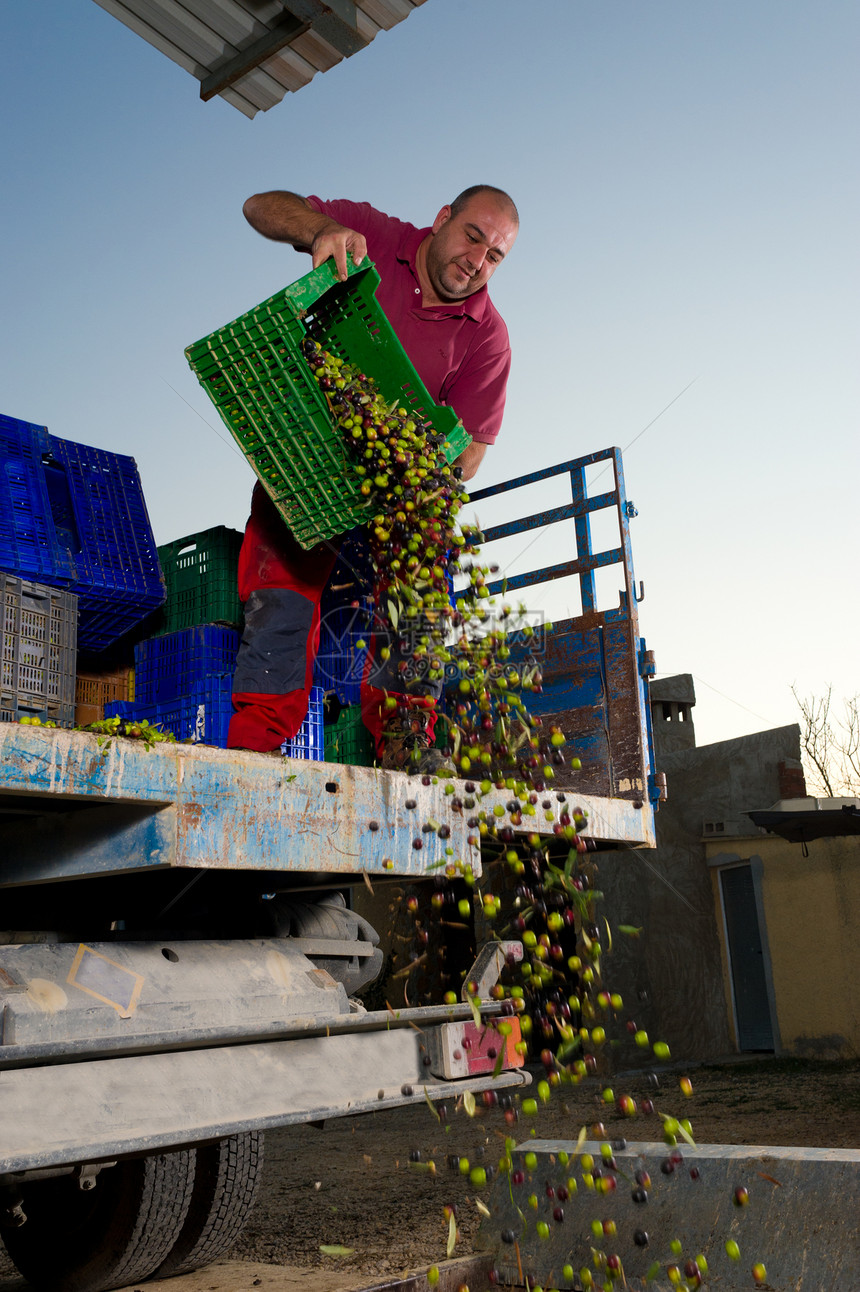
(749, 986)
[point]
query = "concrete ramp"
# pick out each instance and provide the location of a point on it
(799, 1216)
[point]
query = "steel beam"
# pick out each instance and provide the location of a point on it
(82, 1112)
(232, 69)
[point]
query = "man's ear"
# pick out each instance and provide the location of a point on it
(442, 218)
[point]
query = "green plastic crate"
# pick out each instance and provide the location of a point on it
(254, 373)
(347, 740)
(200, 574)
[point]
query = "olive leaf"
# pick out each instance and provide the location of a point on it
(452, 1236)
(685, 1135)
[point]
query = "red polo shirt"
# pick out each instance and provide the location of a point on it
(460, 350)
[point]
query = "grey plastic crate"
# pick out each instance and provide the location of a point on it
(37, 675)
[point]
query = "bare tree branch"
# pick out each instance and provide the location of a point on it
(831, 746)
(850, 745)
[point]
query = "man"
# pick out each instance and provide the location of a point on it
(433, 292)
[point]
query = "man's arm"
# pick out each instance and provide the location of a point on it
(287, 217)
(470, 459)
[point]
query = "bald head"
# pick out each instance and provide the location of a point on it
(467, 243)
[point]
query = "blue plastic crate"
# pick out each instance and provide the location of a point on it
(339, 664)
(119, 578)
(74, 517)
(174, 665)
(308, 741)
(346, 617)
(203, 717)
(30, 545)
(352, 578)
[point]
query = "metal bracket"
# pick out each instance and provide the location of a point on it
(658, 792)
(86, 1172)
(647, 663)
(489, 963)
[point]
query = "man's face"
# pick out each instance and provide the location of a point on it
(466, 249)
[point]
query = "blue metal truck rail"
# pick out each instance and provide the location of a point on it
(595, 666)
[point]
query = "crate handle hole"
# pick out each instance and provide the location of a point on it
(192, 547)
(170, 954)
(331, 787)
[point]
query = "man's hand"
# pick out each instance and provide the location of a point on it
(336, 240)
(471, 458)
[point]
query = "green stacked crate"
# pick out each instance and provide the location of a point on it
(347, 740)
(254, 372)
(200, 572)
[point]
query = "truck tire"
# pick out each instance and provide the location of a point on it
(114, 1234)
(226, 1179)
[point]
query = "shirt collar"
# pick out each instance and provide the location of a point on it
(406, 253)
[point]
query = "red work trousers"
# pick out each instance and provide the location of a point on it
(281, 585)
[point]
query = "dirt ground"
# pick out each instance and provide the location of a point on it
(352, 1184)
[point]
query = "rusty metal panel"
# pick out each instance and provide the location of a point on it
(190, 806)
(201, 808)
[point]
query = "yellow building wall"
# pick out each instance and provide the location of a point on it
(812, 918)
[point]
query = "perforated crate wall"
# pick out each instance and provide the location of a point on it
(255, 374)
(118, 580)
(348, 740)
(74, 517)
(203, 717)
(30, 545)
(174, 665)
(39, 651)
(200, 575)
(346, 618)
(308, 740)
(94, 690)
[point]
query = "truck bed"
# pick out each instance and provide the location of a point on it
(72, 808)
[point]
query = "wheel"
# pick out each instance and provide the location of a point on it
(226, 1180)
(116, 1233)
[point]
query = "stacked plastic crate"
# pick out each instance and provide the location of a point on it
(78, 563)
(183, 676)
(346, 625)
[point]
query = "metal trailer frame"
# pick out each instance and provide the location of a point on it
(114, 1047)
(596, 666)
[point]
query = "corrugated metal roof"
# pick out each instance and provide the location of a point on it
(253, 52)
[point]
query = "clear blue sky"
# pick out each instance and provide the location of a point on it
(687, 180)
